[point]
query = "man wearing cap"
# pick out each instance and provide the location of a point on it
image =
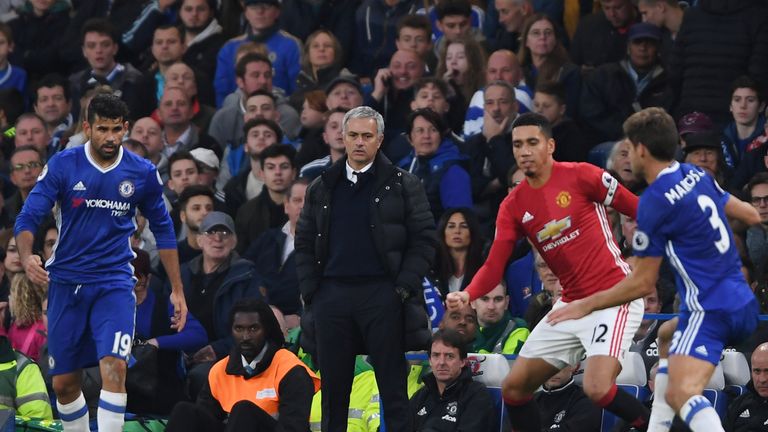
(213, 282)
(344, 92)
(209, 166)
(695, 122)
(616, 90)
(703, 150)
(285, 49)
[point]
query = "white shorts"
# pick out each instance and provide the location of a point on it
(603, 332)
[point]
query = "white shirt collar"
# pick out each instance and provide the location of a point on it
(95, 164)
(350, 176)
(256, 360)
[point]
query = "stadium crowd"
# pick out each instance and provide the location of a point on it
(241, 104)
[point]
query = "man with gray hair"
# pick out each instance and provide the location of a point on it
(364, 242)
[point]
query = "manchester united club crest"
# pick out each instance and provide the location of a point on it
(126, 188)
(563, 199)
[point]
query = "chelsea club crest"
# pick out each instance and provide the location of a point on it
(126, 188)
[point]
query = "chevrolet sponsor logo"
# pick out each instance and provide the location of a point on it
(553, 229)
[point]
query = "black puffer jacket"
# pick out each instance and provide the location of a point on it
(718, 42)
(747, 413)
(402, 224)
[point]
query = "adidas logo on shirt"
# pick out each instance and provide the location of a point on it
(79, 186)
(422, 412)
(745, 414)
(527, 217)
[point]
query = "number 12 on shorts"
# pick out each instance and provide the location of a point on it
(598, 333)
(122, 345)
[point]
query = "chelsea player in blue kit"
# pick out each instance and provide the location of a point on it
(96, 189)
(683, 216)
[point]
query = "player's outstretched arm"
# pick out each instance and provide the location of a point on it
(33, 264)
(641, 282)
(742, 211)
(170, 260)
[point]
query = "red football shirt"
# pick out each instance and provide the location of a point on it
(565, 221)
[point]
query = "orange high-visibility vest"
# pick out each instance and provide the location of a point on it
(262, 389)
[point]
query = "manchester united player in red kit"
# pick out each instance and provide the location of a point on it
(560, 208)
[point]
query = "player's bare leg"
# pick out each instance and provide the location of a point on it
(113, 398)
(70, 402)
(687, 378)
(523, 380)
(600, 386)
(662, 414)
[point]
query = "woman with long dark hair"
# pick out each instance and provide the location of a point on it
(460, 250)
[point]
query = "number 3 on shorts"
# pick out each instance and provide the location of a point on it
(122, 345)
(598, 333)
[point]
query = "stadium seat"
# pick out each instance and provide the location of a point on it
(490, 369)
(598, 156)
(714, 391)
(735, 368)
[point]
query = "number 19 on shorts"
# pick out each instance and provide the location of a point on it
(122, 345)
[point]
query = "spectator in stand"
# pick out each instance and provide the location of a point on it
(455, 19)
(254, 72)
(167, 49)
(249, 182)
(26, 393)
(183, 171)
(148, 132)
(564, 406)
(322, 61)
(747, 105)
(181, 75)
(414, 33)
(267, 209)
(644, 341)
(313, 110)
(213, 283)
(462, 65)
(100, 46)
(75, 136)
(694, 122)
(344, 92)
(259, 386)
(202, 35)
(262, 17)
(616, 90)
(450, 399)
(749, 412)
(668, 15)
(436, 160)
(179, 134)
(544, 59)
(153, 320)
(37, 37)
(13, 77)
(705, 151)
(459, 251)
(334, 139)
(463, 321)
(208, 164)
(30, 130)
(263, 105)
(618, 162)
(52, 103)
(46, 238)
(375, 34)
(512, 15)
(272, 252)
(727, 39)
(757, 235)
(502, 66)
(541, 304)
(195, 202)
(602, 36)
(572, 145)
(27, 332)
(26, 166)
(393, 90)
(500, 332)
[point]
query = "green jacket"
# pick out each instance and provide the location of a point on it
(504, 337)
(21, 384)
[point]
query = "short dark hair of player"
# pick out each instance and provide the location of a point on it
(24, 148)
(272, 332)
(533, 119)
(6, 31)
(252, 123)
(243, 63)
(182, 155)
(107, 106)
(50, 81)
(277, 150)
(192, 191)
(554, 89)
(298, 181)
(758, 179)
(427, 114)
(453, 7)
(434, 81)
(745, 81)
(101, 26)
(420, 22)
(451, 338)
(656, 130)
(262, 92)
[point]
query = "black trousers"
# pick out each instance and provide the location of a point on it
(353, 319)
(245, 417)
